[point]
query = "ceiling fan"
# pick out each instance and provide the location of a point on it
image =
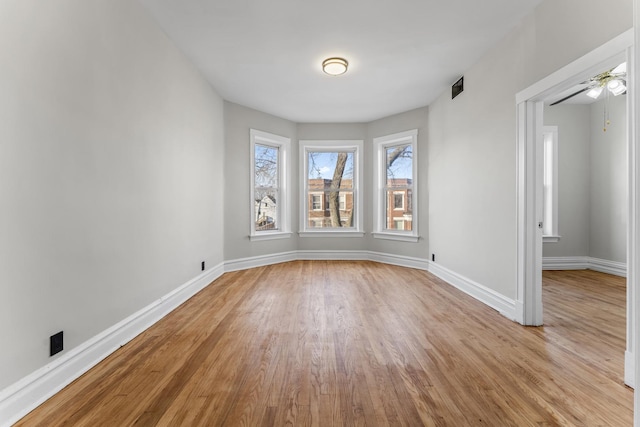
(614, 80)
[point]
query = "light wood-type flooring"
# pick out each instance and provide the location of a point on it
(325, 343)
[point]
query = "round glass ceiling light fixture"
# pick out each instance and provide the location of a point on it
(335, 66)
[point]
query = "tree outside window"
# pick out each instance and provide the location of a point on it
(266, 187)
(395, 173)
(398, 184)
(269, 196)
(331, 171)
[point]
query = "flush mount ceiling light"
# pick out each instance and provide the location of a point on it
(335, 66)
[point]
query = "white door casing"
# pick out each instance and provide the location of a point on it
(529, 185)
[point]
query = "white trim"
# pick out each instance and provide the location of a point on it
(529, 214)
(331, 233)
(20, 398)
(357, 148)
(283, 221)
(395, 236)
(529, 118)
(551, 239)
(633, 230)
(610, 267)
(259, 261)
(565, 263)
(583, 263)
(265, 235)
(579, 70)
(399, 260)
(550, 201)
(629, 369)
(505, 306)
(332, 255)
(409, 137)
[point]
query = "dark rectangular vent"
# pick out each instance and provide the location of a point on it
(457, 87)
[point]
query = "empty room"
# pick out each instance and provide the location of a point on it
(221, 212)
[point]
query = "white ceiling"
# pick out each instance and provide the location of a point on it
(266, 54)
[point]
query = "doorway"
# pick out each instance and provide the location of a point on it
(530, 105)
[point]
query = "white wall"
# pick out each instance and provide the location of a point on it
(238, 121)
(111, 164)
(472, 139)
(114, 164)
(414, 119)
(336, 131)
(592, 199)
(237, 204)
(609, 176)
(574, 171)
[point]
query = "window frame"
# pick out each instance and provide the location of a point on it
(381, 144)
(321, 201)
(283, 144)
(332, 146)
(550, 216)
(401, 194)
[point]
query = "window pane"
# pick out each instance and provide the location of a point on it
(265, 209)
(398, 200)
(548, 184)
(399, 174)
(332, 174)
(398, 211)
(266, 166)
(394, 176)
(325, 165)
(399, 162)
(316, 202)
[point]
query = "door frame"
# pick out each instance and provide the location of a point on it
(529, 104)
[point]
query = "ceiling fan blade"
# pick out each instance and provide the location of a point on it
(570, 96)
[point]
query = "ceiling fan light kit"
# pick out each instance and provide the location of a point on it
(615, 82)
(594, 92)
(617, 87)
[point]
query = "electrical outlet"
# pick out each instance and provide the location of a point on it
(56, 343)
(202, 265)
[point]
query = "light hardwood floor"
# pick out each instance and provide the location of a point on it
(359, 343)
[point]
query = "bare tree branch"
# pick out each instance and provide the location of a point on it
(334, 194)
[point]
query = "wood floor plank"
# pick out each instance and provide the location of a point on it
(323, 343)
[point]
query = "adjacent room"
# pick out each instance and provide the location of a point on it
(217, 212)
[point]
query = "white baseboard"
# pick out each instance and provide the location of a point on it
(505, 306)
(629, 369)
(22, 397)
(610, 267)
(333, 255)
(565, 263)
(259, 261)
(584, 263)
(402, 261)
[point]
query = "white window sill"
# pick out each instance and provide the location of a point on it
(550, 239)
(270, 235)
(396, 236)
(332, 233)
